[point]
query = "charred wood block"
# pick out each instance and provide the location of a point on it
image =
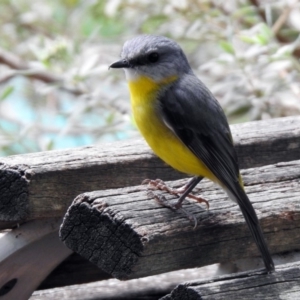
(127, 234)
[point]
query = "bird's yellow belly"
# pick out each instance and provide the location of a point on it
(160, 138)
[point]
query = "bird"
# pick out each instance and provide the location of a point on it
(184, 124)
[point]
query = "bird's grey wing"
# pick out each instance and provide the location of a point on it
(194, 115)
(190, 110)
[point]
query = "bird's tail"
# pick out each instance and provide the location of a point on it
(238, 194)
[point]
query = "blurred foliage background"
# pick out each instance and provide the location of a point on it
(56, 90)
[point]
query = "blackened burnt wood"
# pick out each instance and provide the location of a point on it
(44, 184)
(128, 235)
(283, 284)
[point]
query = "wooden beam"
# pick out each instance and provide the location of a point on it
(185, 284)
(282, 284)
(128, 235)
(43, 185)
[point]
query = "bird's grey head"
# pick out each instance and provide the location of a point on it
(152, 56)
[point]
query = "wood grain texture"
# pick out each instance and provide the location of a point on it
(127, 234)
(283, 284)
(40, 185)
(154, 287)
(70, 273)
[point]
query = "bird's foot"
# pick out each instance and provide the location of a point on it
(165, 203)
(159, 184)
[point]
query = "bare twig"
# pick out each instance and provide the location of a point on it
(23, 68)
(11, 60)
(282, 19)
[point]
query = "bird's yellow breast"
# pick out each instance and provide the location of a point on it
(144, 97)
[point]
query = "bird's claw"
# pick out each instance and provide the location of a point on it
(162, 200)
(159, 184)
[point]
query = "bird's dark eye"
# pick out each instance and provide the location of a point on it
(153, 57)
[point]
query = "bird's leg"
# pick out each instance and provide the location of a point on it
(185, 191)
(164, 202)
(158, 184)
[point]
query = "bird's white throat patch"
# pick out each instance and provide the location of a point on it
(131, 75)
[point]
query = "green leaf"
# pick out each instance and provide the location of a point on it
(247, 39)
(262, 37)
(110, 118)
(7, 91)
(227, 47)
(265, 34)
(50, 145)
(244, 11)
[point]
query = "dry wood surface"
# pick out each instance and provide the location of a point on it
(207, 282)
(283, 284)
(128, 235)
(138, 237)
(43, 185)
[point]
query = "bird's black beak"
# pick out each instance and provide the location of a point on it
(123, 63)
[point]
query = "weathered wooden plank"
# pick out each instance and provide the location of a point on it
(44, 184)
(70, 272)
(127, 234)
(151, 288)
(283, 284)
(154, 287)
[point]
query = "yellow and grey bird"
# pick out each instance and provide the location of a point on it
(183, 123)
